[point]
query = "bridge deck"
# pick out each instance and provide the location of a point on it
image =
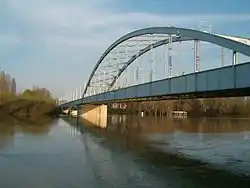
(225, 81)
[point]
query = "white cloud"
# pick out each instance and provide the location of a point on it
(82, 30)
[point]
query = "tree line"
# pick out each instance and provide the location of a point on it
(237, 106)
(35, 93)
(7, 83)
(32, 102)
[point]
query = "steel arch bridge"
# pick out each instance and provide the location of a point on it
(127, 49)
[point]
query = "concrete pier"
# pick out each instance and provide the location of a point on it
(66, 111)
(95, 114)
(74, 113)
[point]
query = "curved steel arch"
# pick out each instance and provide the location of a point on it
(143, 51)
(192, 34)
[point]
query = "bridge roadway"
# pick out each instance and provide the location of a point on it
(227, 81)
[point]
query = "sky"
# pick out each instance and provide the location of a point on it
(56, 43)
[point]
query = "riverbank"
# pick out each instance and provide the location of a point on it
(21, 106)
(213, 107)
(32, 102)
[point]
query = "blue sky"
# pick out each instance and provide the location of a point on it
(190, 7)
(56, 43)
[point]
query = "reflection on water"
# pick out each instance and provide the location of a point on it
(39, 125)
(223, 142)
(130, 152)
(205, 145)
(163, 125)
(13, 125)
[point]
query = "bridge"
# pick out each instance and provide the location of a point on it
(131, 70)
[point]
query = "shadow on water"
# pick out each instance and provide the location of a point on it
(128, 133)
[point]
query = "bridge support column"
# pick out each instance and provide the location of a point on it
(222, 57)
(170, 56)
(234, 57)
(196, 56)
(95, 114)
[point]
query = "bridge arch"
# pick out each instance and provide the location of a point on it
(179, 34)
(143, 51)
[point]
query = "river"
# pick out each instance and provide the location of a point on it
(130, 152)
